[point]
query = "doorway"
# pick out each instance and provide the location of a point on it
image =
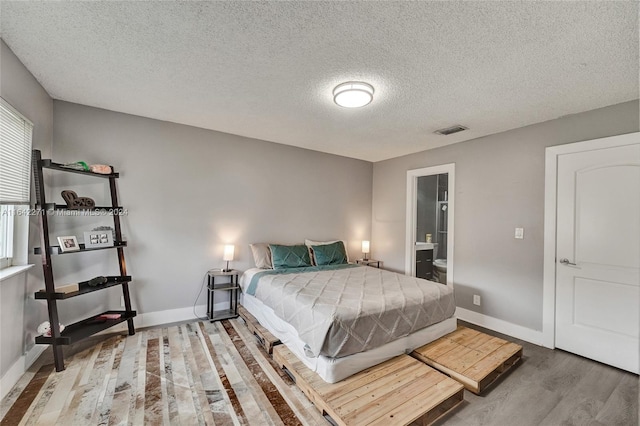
(430, 223)
(592, 250)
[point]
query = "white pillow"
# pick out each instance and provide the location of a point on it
(310, 243)
(261, 255)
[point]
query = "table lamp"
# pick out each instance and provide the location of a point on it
(228, 256)
(365, 249)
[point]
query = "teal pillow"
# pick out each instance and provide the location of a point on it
(289, 256)
(330, 254)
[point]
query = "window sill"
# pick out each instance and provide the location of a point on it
(11, 271)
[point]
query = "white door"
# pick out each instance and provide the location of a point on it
(598, 255)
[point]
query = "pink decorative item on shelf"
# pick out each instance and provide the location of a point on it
(101, 168)
(109, 316)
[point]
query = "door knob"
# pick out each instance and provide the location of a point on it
(565, 261)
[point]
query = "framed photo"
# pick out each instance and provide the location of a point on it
(69, 243)
(96, 239)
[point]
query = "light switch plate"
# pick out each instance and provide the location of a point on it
(519, 233)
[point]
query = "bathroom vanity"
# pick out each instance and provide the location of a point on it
(424, 260)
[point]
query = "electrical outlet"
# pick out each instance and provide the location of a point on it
(122, 301)
(476, 299)
(519, 234)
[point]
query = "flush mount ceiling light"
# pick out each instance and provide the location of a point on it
(353, 94)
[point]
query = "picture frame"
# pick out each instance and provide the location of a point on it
(68, 243)
(98, 239)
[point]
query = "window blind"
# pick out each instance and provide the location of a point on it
(15, 155)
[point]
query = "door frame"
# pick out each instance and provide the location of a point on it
(412, 204)
(550, 206)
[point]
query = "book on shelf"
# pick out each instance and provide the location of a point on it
(69, 288)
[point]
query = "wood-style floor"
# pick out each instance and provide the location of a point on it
(546, 388)
(552, 387)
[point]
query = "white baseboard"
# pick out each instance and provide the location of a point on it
(500, 326)
(152, 319)
(15, 372)
(12, 376)
(33, 354)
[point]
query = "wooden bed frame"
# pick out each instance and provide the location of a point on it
(473, 358)
(264, 337)
(399, 391)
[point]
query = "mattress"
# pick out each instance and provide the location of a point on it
(341, 310)
(333, 370)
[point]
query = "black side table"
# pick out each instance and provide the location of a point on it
(369, 262)
(229, 285)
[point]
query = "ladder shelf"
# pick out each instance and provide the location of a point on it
(95, 323)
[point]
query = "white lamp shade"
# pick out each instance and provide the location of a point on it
(365, 246)
(228, 252)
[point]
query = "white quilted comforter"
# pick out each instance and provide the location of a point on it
(344, 311)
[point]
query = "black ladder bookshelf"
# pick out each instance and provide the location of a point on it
(92, 325)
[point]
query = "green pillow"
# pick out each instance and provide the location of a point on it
(330, 254)
(289, 256)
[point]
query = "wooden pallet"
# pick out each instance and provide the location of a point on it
(473, 358)
(264, 337)
(400, 391)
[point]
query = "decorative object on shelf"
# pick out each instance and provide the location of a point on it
(95, 239)
(94, 282)
(109, 316)
(78, 165)
(68, 243)
(74, 202)
(45, 328)
(365, 249)
(103, 169)
(428, 238)
(228, 255)
(106, 228)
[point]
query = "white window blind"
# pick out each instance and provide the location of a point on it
(15, 155)
(6, 235)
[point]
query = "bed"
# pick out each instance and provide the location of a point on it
(340, 318)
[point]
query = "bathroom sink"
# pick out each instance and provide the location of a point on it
(424, 246)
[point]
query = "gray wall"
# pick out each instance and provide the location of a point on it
(499, 186)
(20, 314)
(188, 192)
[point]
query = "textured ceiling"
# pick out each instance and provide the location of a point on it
(266, 69)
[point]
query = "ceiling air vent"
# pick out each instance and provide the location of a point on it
(450, 130)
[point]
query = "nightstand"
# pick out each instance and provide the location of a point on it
(227, 282)
(369, 262)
